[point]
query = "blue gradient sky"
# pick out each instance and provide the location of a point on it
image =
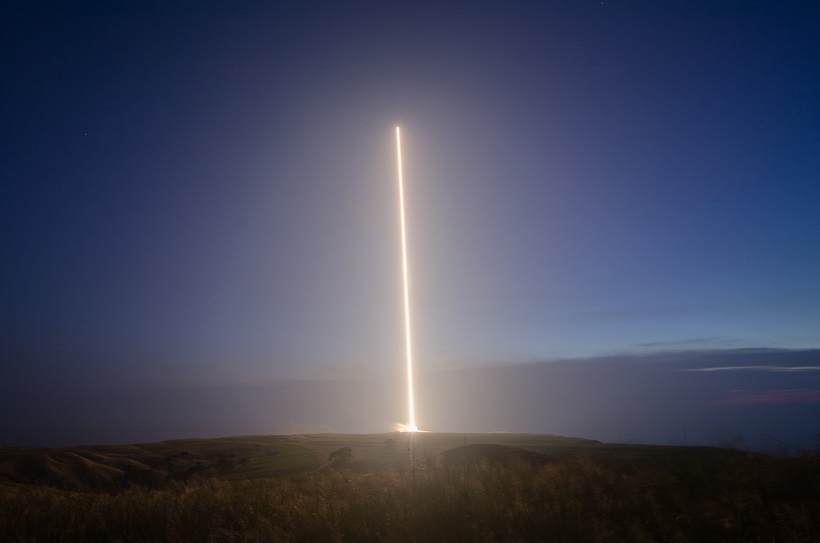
(206, 195)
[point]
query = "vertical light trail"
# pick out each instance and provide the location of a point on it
(411, 426)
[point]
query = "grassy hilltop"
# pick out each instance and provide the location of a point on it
(112, 467)
(405, 487)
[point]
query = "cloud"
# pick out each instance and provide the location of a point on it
(758, 368)
(687, 342)
(649, 397)
(778, 396)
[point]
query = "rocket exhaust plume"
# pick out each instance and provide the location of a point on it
(411, 425)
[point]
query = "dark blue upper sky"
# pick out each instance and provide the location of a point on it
(206, 194)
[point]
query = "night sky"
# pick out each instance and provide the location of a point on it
(613, 214)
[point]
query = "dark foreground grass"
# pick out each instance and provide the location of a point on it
(621, 496)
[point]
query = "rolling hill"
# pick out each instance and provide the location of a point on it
(405, 487)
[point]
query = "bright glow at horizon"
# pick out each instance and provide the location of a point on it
(410, 426)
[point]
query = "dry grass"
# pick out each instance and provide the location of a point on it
(639, 494)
